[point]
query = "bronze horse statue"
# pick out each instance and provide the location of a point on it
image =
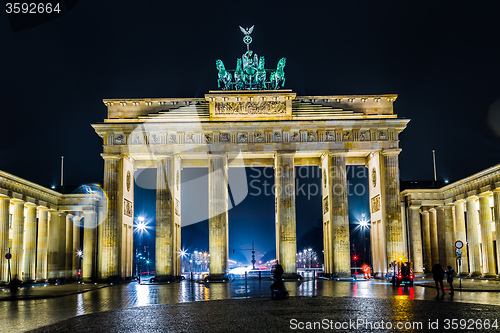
(278, 76)
(224, 76)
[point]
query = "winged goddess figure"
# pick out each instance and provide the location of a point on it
(247, 39)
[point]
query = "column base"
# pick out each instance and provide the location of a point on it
(216, 278)
(489, 276)
(291, 276)
(166, 278)
(342, 276)
(475, 274)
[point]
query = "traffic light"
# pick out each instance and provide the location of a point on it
(355, 257)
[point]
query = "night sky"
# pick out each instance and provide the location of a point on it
(441, 57)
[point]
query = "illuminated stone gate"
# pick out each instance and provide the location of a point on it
(263, 128)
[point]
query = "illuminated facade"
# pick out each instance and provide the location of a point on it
(467, 210)
(41, 229)
(263, 128)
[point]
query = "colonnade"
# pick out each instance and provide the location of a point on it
(473, 219)
(335, 213)
(44, 242)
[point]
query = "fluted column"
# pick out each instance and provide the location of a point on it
(486, 235)
(416, 240)
(69, 246)
(340, 216)
(327, 213)
(440, 236)
(53, 245)
(42, 245)
(4, 237)
(461, 234)
(75, 261)
(164, 219)
(426, 231)
(496, 212)
(109, 229)
(61, 250)
(449, 236)
(473, 236)
(30, 243)
(89, 244)
(217, 212)
(434, 236)
(17, 239)
(394, 225)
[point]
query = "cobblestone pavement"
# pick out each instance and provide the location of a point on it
(342, 314)
(22, 315)
(46, 290)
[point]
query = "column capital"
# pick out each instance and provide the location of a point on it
(108, 156)
(284, 152)
(496, 190)
(471, 198)
(163, 156)
(387, 152)
(337, 153)
(431, 210)
(414, 207)
(425, 211)
(29, 204)
(485, 194)
(459, 202)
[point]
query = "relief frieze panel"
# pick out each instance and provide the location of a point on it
(252, 107)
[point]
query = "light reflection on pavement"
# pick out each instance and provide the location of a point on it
(23, 315)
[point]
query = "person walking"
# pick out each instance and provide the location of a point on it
(14, 286)
(449, 274)
(438, 275)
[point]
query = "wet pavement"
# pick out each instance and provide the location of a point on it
(22, 315)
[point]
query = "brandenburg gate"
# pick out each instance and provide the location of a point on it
(238, 128)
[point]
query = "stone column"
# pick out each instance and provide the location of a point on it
(496, 212)
(416, 240)
(89, 245)
(217, 212)
(426, 230)
(30, 243)
(61, 250)
(4, 237)
(165, 219)
(394, 225)
(461, 235)
(486, 235)
(340, 216)
(69, 246)
(434, 237)
(473, 236)
(41, 252)
(440, 236)
(75, 264)
(17, 239)
(109, 229)
(449, 237)
(53, 245)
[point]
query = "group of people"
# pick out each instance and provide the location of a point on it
(438, 274)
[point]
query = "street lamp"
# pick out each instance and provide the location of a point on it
(79, 253)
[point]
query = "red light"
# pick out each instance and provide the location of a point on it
(411, 277)
(355, 257)
(399, 276)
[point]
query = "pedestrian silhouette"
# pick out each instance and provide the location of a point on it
(450, 273)
(14, 286)
(438, 275)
